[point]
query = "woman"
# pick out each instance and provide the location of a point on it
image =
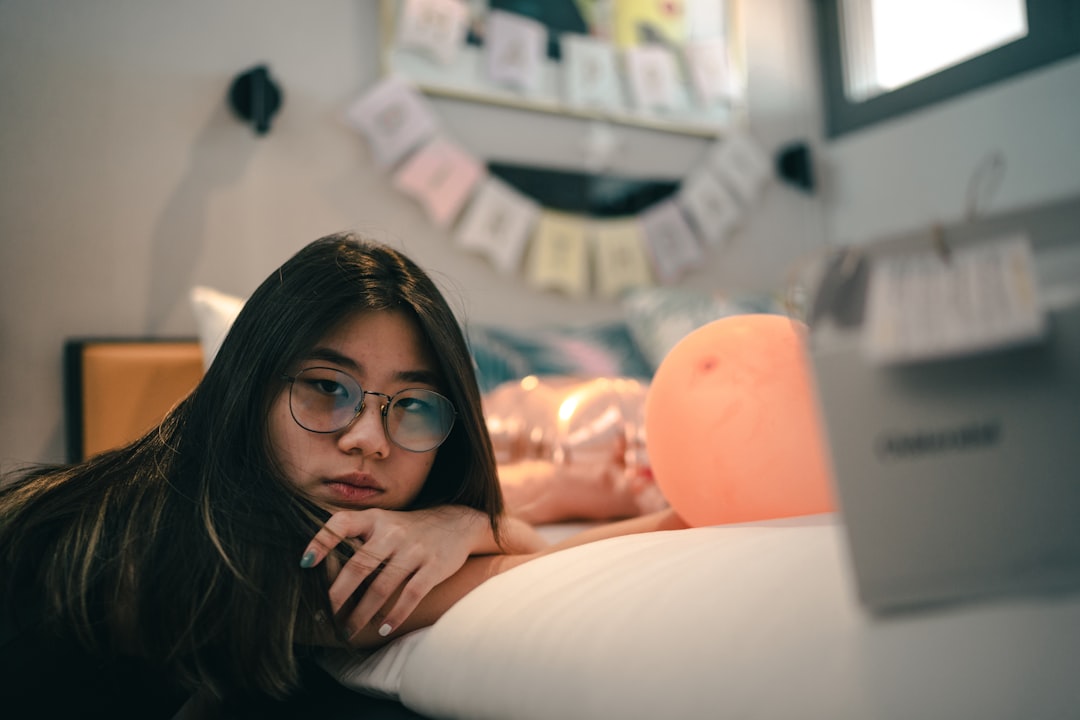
(182, 563)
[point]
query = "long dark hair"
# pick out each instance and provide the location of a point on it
(182, 548)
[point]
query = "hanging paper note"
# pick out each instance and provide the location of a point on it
(711, 208)
(621, 260)
(440, 176)
(741, 164)
(654, 77)
(673, 248)
(497, 223)
(590, 73)
(394, 117)
(559, 257)
(925, 306)
(514, 49)
(435, 27)
(707, 64)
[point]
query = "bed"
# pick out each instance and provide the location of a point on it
(751, 620)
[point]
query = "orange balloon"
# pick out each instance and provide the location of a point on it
(731, 424)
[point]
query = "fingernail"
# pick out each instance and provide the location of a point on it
(308, 560)
(385, 630)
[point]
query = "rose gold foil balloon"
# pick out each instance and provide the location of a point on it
(569, 448)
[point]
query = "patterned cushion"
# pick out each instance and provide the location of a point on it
(659, 318)
(602, 350)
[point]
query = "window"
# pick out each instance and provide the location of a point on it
(884, 58)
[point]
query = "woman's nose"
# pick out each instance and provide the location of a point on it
(366, 434)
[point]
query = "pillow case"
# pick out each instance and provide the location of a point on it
(758, 620)
(499, 353)
(658, 318)
(214, 312)
(599, 350)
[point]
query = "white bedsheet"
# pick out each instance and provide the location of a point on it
(746, 621)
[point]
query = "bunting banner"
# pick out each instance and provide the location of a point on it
(514, 49)
(741, 164)
(621, 261)
(672, 245)
(559, 254)
(497, 224)
(395, 119)
(573, 254)
(435, 27)
(591, 73)
(636, 60)
(710, 207)
(710, 73)
(441, 176)
(654, 77)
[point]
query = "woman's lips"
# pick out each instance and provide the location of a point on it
(353, 488)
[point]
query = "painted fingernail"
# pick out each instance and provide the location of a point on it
(308, 560)
(385, 630)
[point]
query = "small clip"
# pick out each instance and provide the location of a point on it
(937, 237)
(841, 293)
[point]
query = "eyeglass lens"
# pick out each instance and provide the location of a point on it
(325, 400)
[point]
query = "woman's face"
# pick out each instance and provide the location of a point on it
(358, 466)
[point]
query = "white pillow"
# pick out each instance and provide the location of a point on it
(379, 672)
(756, 620)
(376, 673)
(215, 312)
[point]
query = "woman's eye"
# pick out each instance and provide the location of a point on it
(413, 405)
(328, 387)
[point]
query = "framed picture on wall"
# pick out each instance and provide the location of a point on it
(671, 66)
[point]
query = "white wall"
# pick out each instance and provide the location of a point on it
(907, 173)
(124, 180)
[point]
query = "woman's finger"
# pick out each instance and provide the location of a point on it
(340, 527)
(385, 585)
(352, 577)
(391, 615)
(397, 559)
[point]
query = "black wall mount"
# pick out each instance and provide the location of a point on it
(794, 166)
(254, 97)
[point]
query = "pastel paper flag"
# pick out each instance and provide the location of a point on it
(654, 77)
(741, 164)
(673, 248)
(436, 27)
(710, 74)
(394, 117)
(514, 48)
(559, 255)
(622, 262)
(590, 73)
(497, 223)
(440, 175)
(710, 206)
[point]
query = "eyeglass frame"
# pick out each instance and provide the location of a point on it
(384, 411)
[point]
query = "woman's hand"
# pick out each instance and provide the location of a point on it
(398, 557)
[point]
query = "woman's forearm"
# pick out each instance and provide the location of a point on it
(480, 568)
(661, 520)
(442, 597)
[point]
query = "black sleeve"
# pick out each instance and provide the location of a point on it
(44, 674)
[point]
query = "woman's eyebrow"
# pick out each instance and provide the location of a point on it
(325, 353)
(426, 377)
(423, 376)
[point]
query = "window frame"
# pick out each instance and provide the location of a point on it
(1053, 34)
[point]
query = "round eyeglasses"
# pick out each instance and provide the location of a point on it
(325, 400)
